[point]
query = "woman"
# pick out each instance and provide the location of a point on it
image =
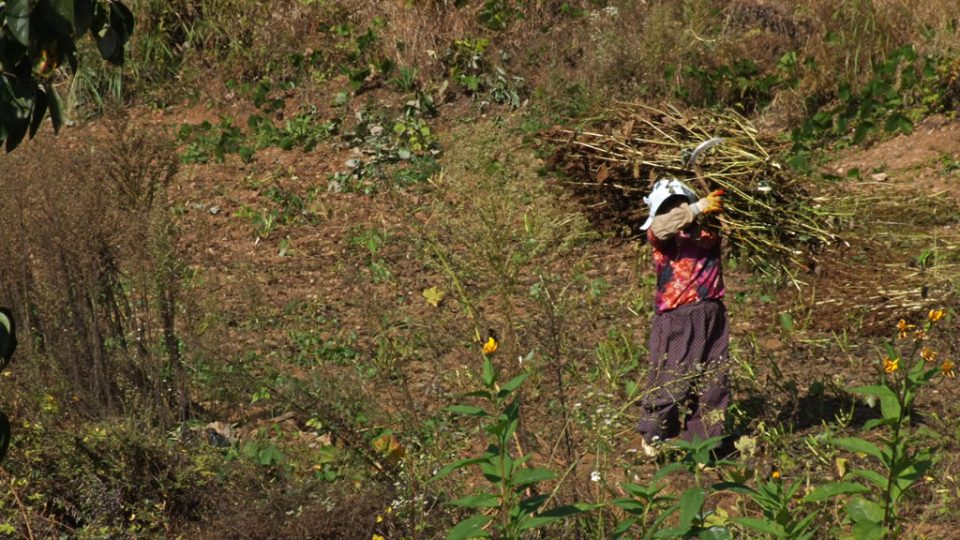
(688, 392)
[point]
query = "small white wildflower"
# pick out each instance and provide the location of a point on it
(595, 476)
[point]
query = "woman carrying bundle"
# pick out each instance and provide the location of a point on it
(688, 392)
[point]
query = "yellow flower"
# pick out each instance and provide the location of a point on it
(903, 327)
(775, 475)
(920, 335)
(948, 369)
(891, 365)
(379, 519)
(490, 346)
(936, 314)
(928, 354)
(378, 537)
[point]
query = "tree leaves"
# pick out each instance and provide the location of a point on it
(17, 15)
(47, 29)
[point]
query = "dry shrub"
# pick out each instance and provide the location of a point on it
(257, 511)
(848, 37)
(178, 44)
(92, 271)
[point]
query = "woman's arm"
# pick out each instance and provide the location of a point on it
(665, 226)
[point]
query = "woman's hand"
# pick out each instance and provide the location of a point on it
(712, 203)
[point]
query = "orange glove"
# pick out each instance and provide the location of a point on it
(712, 203)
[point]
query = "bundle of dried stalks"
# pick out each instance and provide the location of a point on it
(772, 223)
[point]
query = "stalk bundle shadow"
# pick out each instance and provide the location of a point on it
(772, 223)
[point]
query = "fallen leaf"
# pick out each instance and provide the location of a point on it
(603, 174)
(433, 296)
(746, 445)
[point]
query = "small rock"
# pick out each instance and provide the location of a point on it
(352, 163)
(879, 177)
(376, 130)
(214, 210)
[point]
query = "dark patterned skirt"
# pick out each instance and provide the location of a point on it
(687, 392)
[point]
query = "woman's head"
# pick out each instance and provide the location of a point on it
(666, 190)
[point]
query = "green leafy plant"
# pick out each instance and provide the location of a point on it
(206, 141)
(36, 38)
(511, 506)
(306, 130)
(780, 518)
(649, 509)
(873, 508)
(891, 100)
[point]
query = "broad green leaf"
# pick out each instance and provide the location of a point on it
(762, 525)
(446, 470)
(4, 435)
(735, 487)
(56, 107)
(8, 337)
(550, 516)
(877, 422)
(663, 472)
(855, 444)
(491, 468)
(673, 532)
(826, 491)
(513, 384)
(530, 505)
(109, 45)
(59, 14)
(631, 506)
(82, 16)
(525, 477)
(863, 510)
(471, 527)
(799, 529)
(18, 97)
(873, 477)
(715, 533)
(889, 403)
(38, 113)
(468, 410)
(480, 500)
(121, 18)
(868, 531)
(657, 523)
(17, 15)
(898, 122)
(637, 490)
(487, 375)
(910, 474)
(624, 527)
(691, 503)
